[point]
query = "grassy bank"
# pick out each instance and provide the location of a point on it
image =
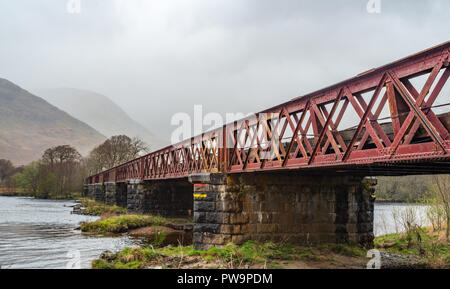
(431, 250)
(92, 207)
(14, 194)
(249, 255)
(121, 224)
(69, 196)
(156, 230)
(115, 219)
(431, 247)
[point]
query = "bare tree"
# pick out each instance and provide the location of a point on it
(404, 188)
(60, 154)
(63, 161)
(115, 151)
(6, 170)
(441, 188)
(435, 213)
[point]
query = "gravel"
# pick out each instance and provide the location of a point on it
(396, 261)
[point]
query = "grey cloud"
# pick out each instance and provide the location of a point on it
(156, 58)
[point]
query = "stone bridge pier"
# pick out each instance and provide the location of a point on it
(116, 194)
(95, 191)
(287, 206)
(282, 207)
(168, 198)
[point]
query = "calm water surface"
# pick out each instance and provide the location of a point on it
(41, 234)
(384, 222)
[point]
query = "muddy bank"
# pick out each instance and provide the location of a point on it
(169, 234)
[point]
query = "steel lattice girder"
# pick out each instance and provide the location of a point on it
(304, 134)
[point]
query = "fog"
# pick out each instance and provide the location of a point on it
(157, 58)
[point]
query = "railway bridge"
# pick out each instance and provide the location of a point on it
(304, 170)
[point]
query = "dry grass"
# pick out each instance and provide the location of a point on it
(256, 255)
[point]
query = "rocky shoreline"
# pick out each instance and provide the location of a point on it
(78, 209)
(397, 261)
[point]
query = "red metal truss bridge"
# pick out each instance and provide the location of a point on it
(394, 130)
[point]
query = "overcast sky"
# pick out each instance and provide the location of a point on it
(156, 58)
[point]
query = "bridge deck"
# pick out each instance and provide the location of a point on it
(308, 132)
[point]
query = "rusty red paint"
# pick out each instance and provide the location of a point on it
(326, 149)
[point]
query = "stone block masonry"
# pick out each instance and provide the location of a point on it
(86, 190)
(116, 194)
(168, 198)
(235, 208)
(96, 192)
(135, 197)
(110, 194)
(89, 191)
(282, 207)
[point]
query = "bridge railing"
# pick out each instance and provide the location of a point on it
(309, 131)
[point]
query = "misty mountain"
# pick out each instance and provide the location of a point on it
(29, 125)
(99, 112)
